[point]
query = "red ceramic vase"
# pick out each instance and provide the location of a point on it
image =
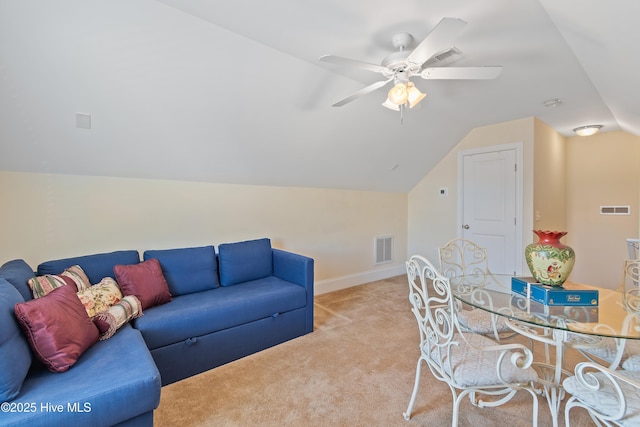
(549, 260)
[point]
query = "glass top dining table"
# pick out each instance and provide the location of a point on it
(492, 293)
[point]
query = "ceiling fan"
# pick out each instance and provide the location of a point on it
(401, 65)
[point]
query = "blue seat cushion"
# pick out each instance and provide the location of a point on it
(15, 355)
(187, 270)
(113, 381)
(201, 313)
(18, 273)
(96, 267)
(244, 261)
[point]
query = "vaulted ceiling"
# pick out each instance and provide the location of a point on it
(233, 92)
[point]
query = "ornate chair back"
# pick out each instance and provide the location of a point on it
(631, 284)
(434, 313)
(466, 266)
(461, 257)
(633, 245)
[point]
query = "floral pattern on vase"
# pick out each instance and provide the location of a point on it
(549, 260)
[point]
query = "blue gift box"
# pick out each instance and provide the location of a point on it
(584, 314)
(553, 295)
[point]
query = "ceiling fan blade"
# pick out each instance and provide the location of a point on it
(461, 73)
(362, 92)
(338, 60)
(439, 39)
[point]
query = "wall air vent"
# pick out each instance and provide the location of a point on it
(383, 249)
(615, 210)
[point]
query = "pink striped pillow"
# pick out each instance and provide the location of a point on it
(75, 276)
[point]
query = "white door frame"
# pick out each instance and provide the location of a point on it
(519, 147)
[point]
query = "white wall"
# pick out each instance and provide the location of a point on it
(46, 216)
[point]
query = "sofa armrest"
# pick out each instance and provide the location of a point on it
(296, 269)
(293, 268)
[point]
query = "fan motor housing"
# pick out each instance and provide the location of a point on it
(396, 61)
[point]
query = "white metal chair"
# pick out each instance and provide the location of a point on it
(631, 285)
(612, 352)
(470, 364)
(612, 397)
(633, 245)
(463, 258)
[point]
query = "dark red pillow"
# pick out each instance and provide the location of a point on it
(144, 280)
(57, 327)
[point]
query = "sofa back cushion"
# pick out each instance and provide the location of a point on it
(244, 261)
(18, 273)
(97, 266)
(187, 270)
(15, 356)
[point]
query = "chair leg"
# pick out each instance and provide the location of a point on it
(416, 385)
(567, 408)
(534, 421)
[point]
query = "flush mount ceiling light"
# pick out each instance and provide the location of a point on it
(587, 130)
(554, 102)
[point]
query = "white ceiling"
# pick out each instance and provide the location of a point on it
(232, 92)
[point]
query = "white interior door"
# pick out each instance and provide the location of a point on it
(490, 215)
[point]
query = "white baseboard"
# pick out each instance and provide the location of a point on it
(330, 285)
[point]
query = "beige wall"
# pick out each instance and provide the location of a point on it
(432, 218)
(565, 181)
(549, 181)
(54, 216)
(603, 169)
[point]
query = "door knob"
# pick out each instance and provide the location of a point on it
(466, 226)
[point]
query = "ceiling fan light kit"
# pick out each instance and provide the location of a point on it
(403, 93)
(587, 130)
(401, 65)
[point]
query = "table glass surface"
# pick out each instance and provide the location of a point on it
(492, 293)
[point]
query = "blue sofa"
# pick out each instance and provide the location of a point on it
(246, 297)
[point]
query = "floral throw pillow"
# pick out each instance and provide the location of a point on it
(109, 321)
(101, 296)
(75, 276)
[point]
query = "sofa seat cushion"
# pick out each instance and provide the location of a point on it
(201, 313)
(96, 267)
(113, 381)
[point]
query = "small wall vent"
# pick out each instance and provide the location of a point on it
(615, 210)
(383, 249)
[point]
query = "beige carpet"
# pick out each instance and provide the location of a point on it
(356, 369)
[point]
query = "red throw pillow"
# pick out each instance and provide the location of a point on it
(57, 327)
(144, 280)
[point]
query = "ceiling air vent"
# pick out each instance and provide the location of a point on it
(615, 210)
(447, 53)
(384, 249)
